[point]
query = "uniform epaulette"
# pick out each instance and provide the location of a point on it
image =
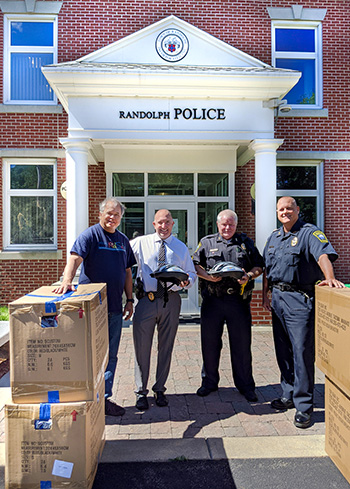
(209, 236)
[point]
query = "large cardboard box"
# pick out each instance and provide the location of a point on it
(337, 411)
(333, 334)
(54, 445)
(58, 344)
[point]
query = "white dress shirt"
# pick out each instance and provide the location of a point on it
(146, 250)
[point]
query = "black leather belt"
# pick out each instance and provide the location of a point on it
(231, 291)
(284, 287)
(156, 295)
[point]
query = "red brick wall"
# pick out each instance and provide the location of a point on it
(244, 179)
(87, 26)
(336, 206)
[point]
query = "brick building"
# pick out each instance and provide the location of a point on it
(194, 106)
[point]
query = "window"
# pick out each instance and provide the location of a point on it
(30, 43)
(170, 184)
(30, 204)
(303, 181)
(298, 46)
(210, 192)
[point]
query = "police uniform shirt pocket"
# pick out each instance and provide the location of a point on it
(292, 257)
(270, 256)
(214, 256)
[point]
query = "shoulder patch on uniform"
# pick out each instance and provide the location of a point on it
(320, 236)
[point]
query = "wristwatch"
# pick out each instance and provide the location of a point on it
(130, 300)
(250, 276)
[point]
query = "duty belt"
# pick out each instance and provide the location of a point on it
(284, 287)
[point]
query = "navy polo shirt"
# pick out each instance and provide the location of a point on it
(106, 256)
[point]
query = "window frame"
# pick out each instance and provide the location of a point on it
(8, 50)
(297, 55)
(318, 192)
(146, 198)
(8, 193)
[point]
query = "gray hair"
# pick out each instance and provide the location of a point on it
(114, 201)
(229, 212)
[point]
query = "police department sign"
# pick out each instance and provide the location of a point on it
(197, 114)
(172, 45)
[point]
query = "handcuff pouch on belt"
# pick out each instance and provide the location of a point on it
(139, 292)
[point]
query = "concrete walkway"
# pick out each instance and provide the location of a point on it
(222, 425)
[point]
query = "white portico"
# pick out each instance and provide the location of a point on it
(170, 99)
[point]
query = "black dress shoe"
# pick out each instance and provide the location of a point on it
(112, 409)
(302, 420)
(141, 402)
(161, 399)
(204, 391)
(282, 403)
(251, 396)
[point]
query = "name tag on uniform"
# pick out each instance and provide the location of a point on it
(214, 249)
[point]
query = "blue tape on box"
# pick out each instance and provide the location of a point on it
(50, 306)
(53, 397)
(44, 411)
(45, 484)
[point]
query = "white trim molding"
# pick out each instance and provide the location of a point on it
(30, 7)
(296, 12)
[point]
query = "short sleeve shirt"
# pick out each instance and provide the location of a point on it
(106, 256)
(239, 250)
(292, 257)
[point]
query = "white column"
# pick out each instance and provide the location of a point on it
(265, 188)
(77, 151)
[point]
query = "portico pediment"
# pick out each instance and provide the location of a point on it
(169, 59)
(161, 43)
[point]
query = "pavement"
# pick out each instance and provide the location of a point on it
(221, 430)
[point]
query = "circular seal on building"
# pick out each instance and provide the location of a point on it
(172, 45)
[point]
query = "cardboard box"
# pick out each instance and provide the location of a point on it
(332, 309)
(54, 445)
(58, 344)
(337, 411)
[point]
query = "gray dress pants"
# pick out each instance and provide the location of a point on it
(147, 315)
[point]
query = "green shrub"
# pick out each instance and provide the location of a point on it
(4, 313)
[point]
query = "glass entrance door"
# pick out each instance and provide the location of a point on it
(184, 229)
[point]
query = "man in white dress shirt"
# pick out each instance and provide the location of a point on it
(152, 310)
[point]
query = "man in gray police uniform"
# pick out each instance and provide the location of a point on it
(223, 301)
(297, 256)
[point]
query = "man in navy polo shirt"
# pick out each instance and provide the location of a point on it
(106, 256)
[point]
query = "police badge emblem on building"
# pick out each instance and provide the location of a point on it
(172, 45)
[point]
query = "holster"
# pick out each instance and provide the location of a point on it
(139, 292)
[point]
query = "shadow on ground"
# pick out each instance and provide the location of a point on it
(223, 404)
(295, 473)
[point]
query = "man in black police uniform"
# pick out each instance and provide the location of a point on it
(224, 300)
(297, 256)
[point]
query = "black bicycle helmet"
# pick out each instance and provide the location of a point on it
(170, 273)
(227, 269)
